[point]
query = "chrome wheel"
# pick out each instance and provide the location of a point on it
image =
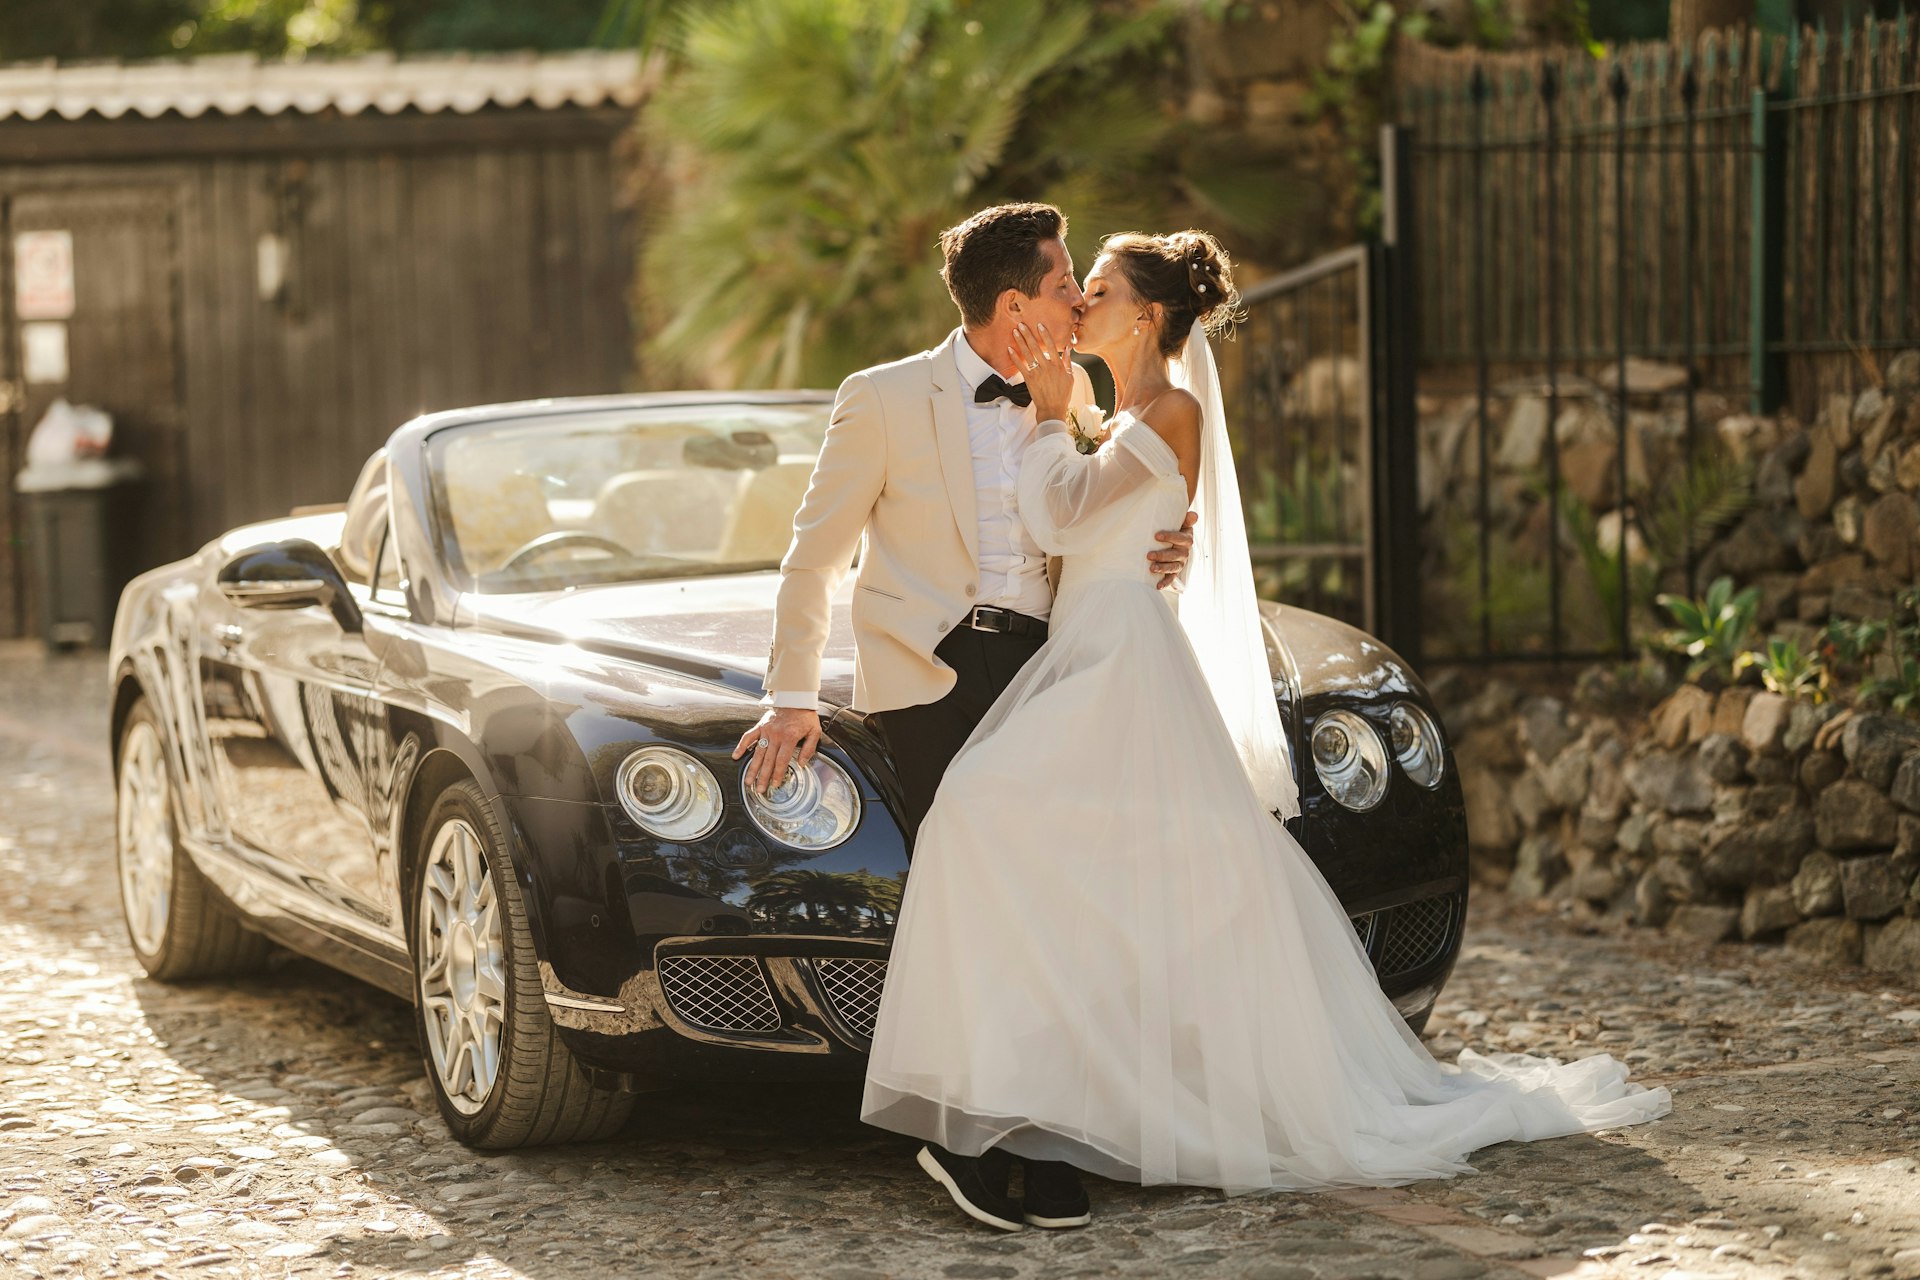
(462, 962)
(144, 826)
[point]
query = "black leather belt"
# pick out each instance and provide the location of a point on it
(987, 617)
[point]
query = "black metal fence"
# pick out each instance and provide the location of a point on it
(1324, 436)
(1742, 212)
(1303, 416)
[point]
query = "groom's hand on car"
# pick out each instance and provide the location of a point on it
(1171, 559)
(785, 736)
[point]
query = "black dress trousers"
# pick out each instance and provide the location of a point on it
(924, 739)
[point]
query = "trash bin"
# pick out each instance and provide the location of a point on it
(79, 531)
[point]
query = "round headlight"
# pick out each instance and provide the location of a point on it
(669, 793)
(813, 808)
(1351, 762)
(1416, 743)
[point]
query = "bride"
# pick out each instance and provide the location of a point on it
(1110, 955)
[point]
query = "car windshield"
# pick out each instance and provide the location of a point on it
(546, 503)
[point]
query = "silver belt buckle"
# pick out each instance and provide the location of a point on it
(973, 619)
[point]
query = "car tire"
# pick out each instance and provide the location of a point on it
(176, 924)
(474, 971)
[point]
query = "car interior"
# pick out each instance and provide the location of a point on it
(540, 508)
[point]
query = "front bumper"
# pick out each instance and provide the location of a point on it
(803, 1006)
(794, 1006)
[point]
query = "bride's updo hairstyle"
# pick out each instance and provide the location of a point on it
(1187, 273)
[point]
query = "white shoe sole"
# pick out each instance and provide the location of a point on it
(1055, 1224)
(926, 1161)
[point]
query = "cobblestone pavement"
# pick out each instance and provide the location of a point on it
(280, 1125)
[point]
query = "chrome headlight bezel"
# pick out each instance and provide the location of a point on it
(1424, 757)
(790, 814)
(1352, 766)
(691, 805)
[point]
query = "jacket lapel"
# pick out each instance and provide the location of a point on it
(955, 445)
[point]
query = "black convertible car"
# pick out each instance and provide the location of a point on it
(468, 737)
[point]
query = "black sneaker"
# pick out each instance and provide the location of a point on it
(1054, 1196)
(978, 1184)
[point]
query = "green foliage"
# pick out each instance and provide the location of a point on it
(1890, 648)
(1600, 558)
(34, 29)
(1568, 22)
(1714, 493)
(1712, 632)
(1515, 608)
(818, 147)
(1492, 24)
(286, 29)
(1787, 671)
(1856, 640)
(1296, 509)
(1351, 87)
(276, 28)
(1630, 19)
(1703, 500)
(647, 25)
(417, 26)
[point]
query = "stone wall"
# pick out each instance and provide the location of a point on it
(1737, 814)
(1827, 523)
(1718, 812)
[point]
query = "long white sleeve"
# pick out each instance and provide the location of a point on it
(1064, 493)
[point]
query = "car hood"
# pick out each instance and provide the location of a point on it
(717, 628)
(720, 629)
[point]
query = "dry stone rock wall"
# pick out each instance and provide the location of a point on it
(1718, 812)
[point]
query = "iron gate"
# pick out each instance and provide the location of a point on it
(1324, 437)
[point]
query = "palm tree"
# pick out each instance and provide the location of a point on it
(882, 897)
(814, 894)
(815, 149)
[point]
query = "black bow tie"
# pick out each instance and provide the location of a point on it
(998, 388)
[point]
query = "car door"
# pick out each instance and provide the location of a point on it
(286, 695)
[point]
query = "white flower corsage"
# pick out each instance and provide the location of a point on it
(1086, 438)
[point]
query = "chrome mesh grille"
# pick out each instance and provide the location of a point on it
(1364, 925)
(853, 988)
(1418, 932)
(719, 993)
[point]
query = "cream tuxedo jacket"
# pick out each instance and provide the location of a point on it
(897, 470)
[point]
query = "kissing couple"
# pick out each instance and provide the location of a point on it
(1111, 955)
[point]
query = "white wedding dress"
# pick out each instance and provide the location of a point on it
(1111, 953)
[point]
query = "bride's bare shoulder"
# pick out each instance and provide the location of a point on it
(1174, 416)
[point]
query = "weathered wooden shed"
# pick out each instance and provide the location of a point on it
(268, 267)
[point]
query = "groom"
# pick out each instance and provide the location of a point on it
(921, 460)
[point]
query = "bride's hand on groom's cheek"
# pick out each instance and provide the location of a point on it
(1169, 560)
(1048, 369)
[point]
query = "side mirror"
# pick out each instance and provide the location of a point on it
(294, 574)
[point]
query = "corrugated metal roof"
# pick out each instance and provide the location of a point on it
(237, 83)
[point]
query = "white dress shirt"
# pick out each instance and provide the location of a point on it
(1013, 568)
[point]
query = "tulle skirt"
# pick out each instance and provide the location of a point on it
(1109, 954)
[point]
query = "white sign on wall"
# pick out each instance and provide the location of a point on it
(43, 275)
(43, 343)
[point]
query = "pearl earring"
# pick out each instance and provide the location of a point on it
(1136, 331)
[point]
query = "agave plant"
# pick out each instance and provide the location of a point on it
(814, 149)
(1785, 670)
(1711, 632)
